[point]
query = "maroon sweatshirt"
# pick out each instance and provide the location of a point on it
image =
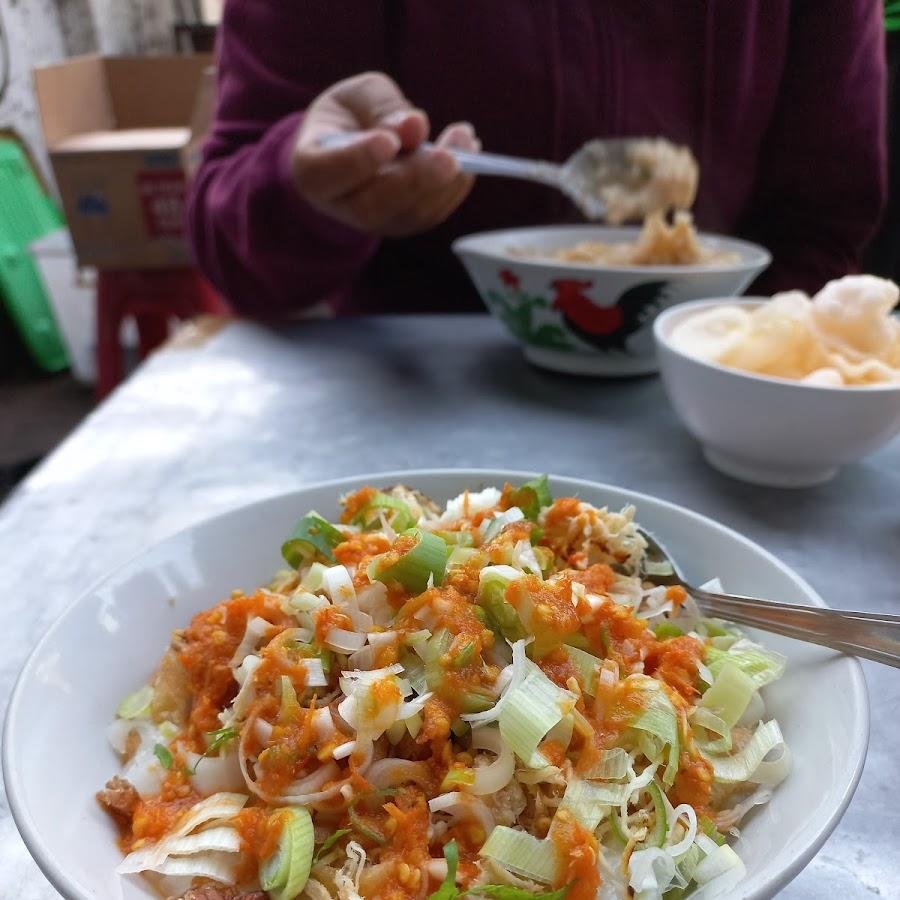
(782, 103)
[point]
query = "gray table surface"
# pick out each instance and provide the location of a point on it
(251, 412)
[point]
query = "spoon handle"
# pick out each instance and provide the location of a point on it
(875, 636)
(476, 163)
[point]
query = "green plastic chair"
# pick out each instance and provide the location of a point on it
(27, 213)
(892, 15)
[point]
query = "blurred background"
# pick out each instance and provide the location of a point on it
(48, 285)
(103, 106)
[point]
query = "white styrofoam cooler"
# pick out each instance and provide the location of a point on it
(73, 296)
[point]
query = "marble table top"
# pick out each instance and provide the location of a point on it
(226, 418)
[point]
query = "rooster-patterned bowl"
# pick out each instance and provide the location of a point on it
(587, 318)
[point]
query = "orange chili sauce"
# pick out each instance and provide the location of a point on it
(359, 547)
(331, 617)
(290, 754)
(156, 816)
(260, 830)
(598, 579)
(676, 662)
(610, 713)
(406, 853)
(576, 850)
(559, 668)
(693, 783)
(553, 618)
(616, 632)
(214, 635)
(209, 643)
(356, 502)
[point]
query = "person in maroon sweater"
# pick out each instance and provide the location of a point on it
(781, 101)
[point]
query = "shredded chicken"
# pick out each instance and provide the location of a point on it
(132, 745)
(507, 804)
(171, 691)
(220, 892)
(119, 798)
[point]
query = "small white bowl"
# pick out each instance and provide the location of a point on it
(771, 431)
(588, 319)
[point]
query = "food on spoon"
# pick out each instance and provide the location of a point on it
(657, 177)
(489, 699)
(661, 176)
(843, 336)
(621, 180)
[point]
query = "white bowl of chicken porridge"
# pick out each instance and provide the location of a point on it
(582, 299)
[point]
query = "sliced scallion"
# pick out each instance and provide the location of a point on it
(493, 581)
(456, 538)
(657, 837)
(659, 720)
(329, 842)
(615, 827)
(461, 556)
(522, 853)
(532, 497)
(456, 777)
(492, 527)
(508, 892)
(425, 562)
(220, 738)
(475, 702)
(729, 694)
(613, 764)
(586, 664)
(436, 648)
(665, 630)
(398, 513)
(164, 755)
(462, 657)
(312, 535)
(290, 708)
(763, 666)
(740, 766)
(285, 873)
(136, 705)
(530, 711)
(361, 826)
(447, 890)
(589, 802)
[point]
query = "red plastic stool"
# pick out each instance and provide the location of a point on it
(151, 297)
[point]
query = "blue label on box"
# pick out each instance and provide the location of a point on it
(92, 204)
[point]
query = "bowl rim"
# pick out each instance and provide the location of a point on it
(662, 340)
(753, 256)
(14, 718)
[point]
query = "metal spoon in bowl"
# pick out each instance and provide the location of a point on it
(615, 179)
(875, 636)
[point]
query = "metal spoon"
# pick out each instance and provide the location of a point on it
(598, 164)
(875, 636)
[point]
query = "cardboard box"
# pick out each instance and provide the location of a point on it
(116, 128)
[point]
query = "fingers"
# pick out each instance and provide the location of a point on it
(410, 195)
(324, 174)
(375, 101)
(461, 136)
(410, 125)
(382, 182)
(371, 106)
(401, 188)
